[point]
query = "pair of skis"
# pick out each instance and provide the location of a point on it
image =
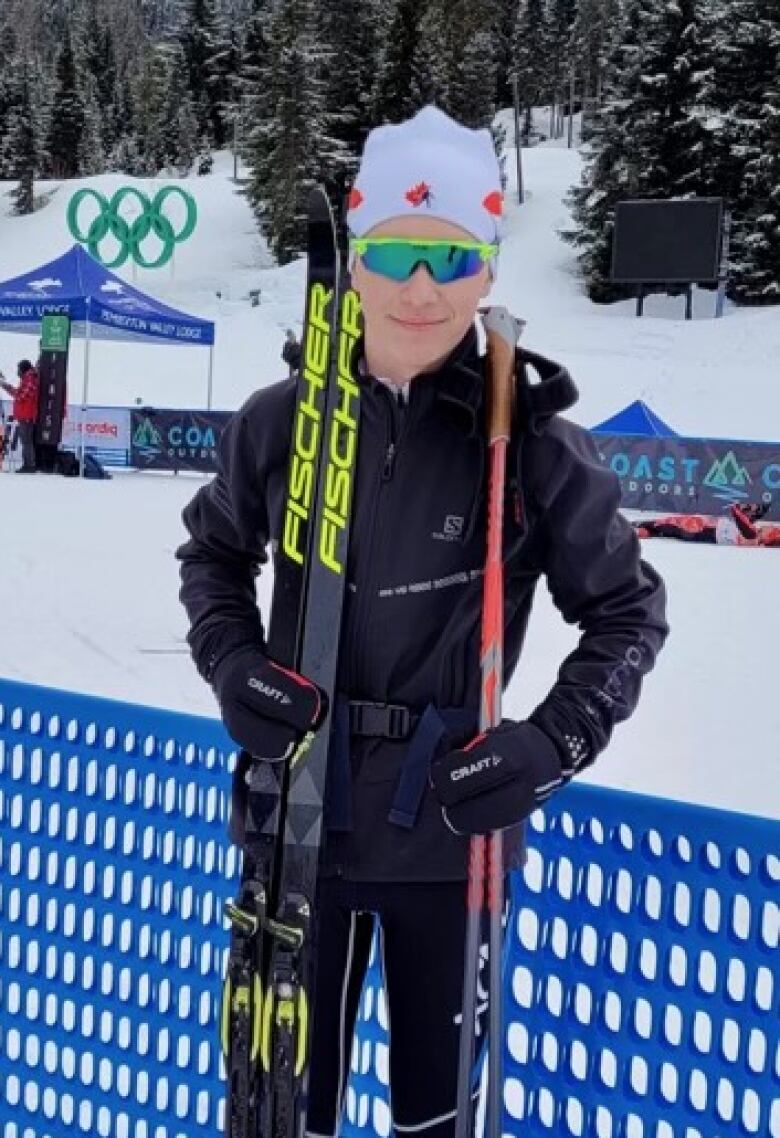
(268, 992)
(269, 985)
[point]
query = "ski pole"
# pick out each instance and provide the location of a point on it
(486, 853)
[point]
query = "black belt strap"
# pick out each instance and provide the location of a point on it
(381, 720)
(425, 733)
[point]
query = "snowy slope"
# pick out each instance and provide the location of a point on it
(87, 568)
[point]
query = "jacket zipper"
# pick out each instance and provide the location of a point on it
(387, 469)
(364, 607)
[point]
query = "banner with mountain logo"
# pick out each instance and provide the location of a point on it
(162, 439)
(701, 476)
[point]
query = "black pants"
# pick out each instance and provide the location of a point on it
(422, 938)
(25, 434)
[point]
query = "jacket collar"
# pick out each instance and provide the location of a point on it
(537, 403)
(458, 385)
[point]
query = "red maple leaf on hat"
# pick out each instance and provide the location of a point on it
(419, 194)
(355, 198)
(494, 203)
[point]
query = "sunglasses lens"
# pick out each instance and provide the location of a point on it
(397, 260)
(454, 263)
(393, 261)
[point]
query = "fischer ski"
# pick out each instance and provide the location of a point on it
(269, 986)
(289, 997)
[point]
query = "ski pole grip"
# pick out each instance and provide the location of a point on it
(502, 331)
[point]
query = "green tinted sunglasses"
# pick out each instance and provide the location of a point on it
(446, 260)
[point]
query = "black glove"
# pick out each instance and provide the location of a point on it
(267, 709)
(497, 779)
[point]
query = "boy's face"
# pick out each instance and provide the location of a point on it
(415, 324)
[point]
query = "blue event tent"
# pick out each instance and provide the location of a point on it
(636, 419)
(100, 305)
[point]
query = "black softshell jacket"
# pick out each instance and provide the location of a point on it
(411, 627)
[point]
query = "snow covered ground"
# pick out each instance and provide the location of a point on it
(88, 575)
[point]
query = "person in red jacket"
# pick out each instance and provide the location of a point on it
(25, 411)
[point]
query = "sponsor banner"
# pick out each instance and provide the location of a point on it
(106, 429)
(193, 332)
(692, 476)
(52, 372)
(55, 334)
(34, 313)
(176, 440)
(52, 375)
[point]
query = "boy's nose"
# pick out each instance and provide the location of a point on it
(421, 284)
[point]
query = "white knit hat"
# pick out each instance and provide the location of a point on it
(428, 165)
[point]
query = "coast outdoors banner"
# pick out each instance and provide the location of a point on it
(692, 475)
(175, 440)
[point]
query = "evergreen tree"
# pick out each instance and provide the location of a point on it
(6, 109)
(42, 99)
(123, 152)
(181, 140)
(66, 124)
(227, 66)
(200, 45)
(188, 141)
(255, 50)
(88, 30)
(348, 34)
(739, 113)
(291, 147)
(506, 20)
(254, 77)
(647, 141)
(96, 62)
(8, 90)
(105, 69)
(430, 63)
(151, 111)
(393, 99)
(471, 94)
(758, 279)
(21, 149)
(161, 18)
(92, 155)
(561, 17)
(529, 56)
(173, 113)
(596, 32)
(125, 157)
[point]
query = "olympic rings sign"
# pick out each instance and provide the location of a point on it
(131, 235)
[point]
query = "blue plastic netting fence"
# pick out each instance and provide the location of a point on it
(643, 980)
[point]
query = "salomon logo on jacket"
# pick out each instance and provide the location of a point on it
(267, 690)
